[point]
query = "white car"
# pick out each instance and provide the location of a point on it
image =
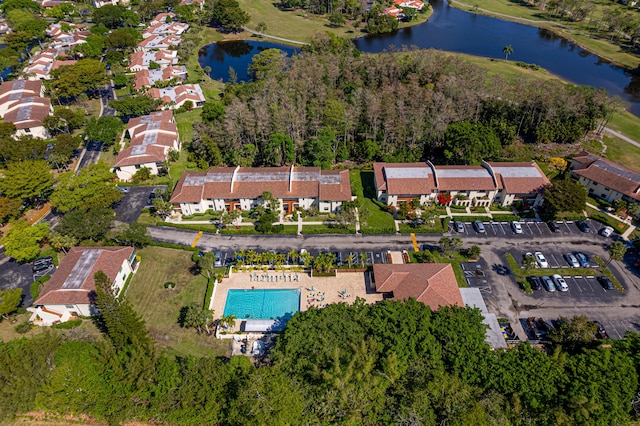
(517, 228)
(256, 349)
(542, 261)
(561, 284)
(606, 231)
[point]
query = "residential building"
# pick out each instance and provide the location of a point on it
(472, 297)
(414, 4)
(396, 12)
(157, 42)
(165, 29)
(198, 3)
(142, 60)
(433, 284)
(151, 138)
(162, 18)
(148, 78)
(45, 61)
(240, 188)
(501, 183)
(4, 27)
(71, 290)
(22, 103)
(175, 97)
(605, 179)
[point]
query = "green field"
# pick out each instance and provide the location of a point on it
(363, 187)
(160, 308)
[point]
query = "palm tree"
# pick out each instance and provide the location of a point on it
(508, 50)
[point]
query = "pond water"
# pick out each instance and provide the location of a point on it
(453, 30)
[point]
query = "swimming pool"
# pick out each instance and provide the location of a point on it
(262, 304)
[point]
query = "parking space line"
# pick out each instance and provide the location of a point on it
(196, 239)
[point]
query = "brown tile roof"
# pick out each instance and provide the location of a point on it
(252, 182)
(26, 87)
(381, 178)
(608, 174)
(520, 178)
(150, 154)
(464, 178)
(433, 284)
(27, 112)
(109, 261)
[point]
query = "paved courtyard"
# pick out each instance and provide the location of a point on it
(314, 291)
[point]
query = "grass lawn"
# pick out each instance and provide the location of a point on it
(627, 124)
(325, 229)
(622, 152)
(185, 121)
(617, 226)
(363, 187)
(160, 308)
(7, 329)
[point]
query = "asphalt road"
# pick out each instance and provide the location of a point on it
(13, 275)
(128, 209)
(91, 154)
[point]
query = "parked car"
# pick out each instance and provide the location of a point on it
(606, 231)
(542, 261)
(218, 261)
(256, 349)
(572, 260)
(548, 284)
(517, 228)
(553, 226)
(479, 226)
(583, 259)
(123, 189)
(605, 282)
(601, 333)
(47, 260)
(42, 267)
(535, 282)
(459, 226)
(583, 226)
(561, 284)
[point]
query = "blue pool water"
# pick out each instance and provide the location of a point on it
(262, 304)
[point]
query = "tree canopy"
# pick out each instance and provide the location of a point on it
(565, 196)
(22, 241)
(27, 180)
(85, 76)
(92, 187)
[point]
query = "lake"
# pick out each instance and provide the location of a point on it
(453, 30)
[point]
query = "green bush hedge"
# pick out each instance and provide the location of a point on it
(68, 325)
(37, 285)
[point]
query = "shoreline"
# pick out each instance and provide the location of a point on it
(552, 26)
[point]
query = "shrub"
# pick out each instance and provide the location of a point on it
(169, 285)
(24, 327)
(68, 325)
(37, 285)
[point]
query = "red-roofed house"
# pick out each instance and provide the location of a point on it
(393, 11)
(152, 137)
(606, 179)
(141, 60)
(71, 290)
(160, 28)
(228, 188)
(433, 284)
(159, 42)
(22, 104)
(175, 97)
(502, 183)
(147, 78)
(414, 4)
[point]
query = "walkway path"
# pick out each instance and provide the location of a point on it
(621, 136)
(503, 15)
(286, 40)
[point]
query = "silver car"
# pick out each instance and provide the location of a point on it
(548, 284)
(561, 284)
(572, 260)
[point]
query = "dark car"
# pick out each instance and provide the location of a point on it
(553, 226)
(582, 259)
(583, 226)
(42, 267)
(601, 333)
(605, 282)
(535, 282)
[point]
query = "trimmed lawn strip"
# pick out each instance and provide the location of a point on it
(325, 229)
(622, 152)
(160, 308)
(617, 226)
(627, 124)
(362, 186)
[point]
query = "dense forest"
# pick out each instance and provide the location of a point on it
(389, 363)
(330, 104)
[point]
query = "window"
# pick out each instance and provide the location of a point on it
(137, 166)
(69, 306)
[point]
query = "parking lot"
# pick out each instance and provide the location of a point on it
(14, 274)
(379, 256)
(530, 229)
(135, 199)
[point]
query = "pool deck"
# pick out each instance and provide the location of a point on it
(314, 291)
